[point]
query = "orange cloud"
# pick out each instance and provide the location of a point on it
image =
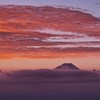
(47, 32)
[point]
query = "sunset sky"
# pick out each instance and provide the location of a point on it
(46, 33)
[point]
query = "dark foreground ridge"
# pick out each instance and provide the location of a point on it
(68, 66)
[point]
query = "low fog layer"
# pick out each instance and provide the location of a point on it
(45, 84)
(47, 75)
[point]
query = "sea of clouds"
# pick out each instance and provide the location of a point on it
(46, 84)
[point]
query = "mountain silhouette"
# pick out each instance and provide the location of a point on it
(68, 66)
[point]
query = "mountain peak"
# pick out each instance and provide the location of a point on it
(68, 66)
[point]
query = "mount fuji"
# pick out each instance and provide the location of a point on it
(67, 66)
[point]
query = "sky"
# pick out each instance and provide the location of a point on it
(92, 5)
(45, 37)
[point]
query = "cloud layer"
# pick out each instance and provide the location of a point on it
(37, 32)
(49, 84)
(54, 74)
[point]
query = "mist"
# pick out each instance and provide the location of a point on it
(46, 84)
